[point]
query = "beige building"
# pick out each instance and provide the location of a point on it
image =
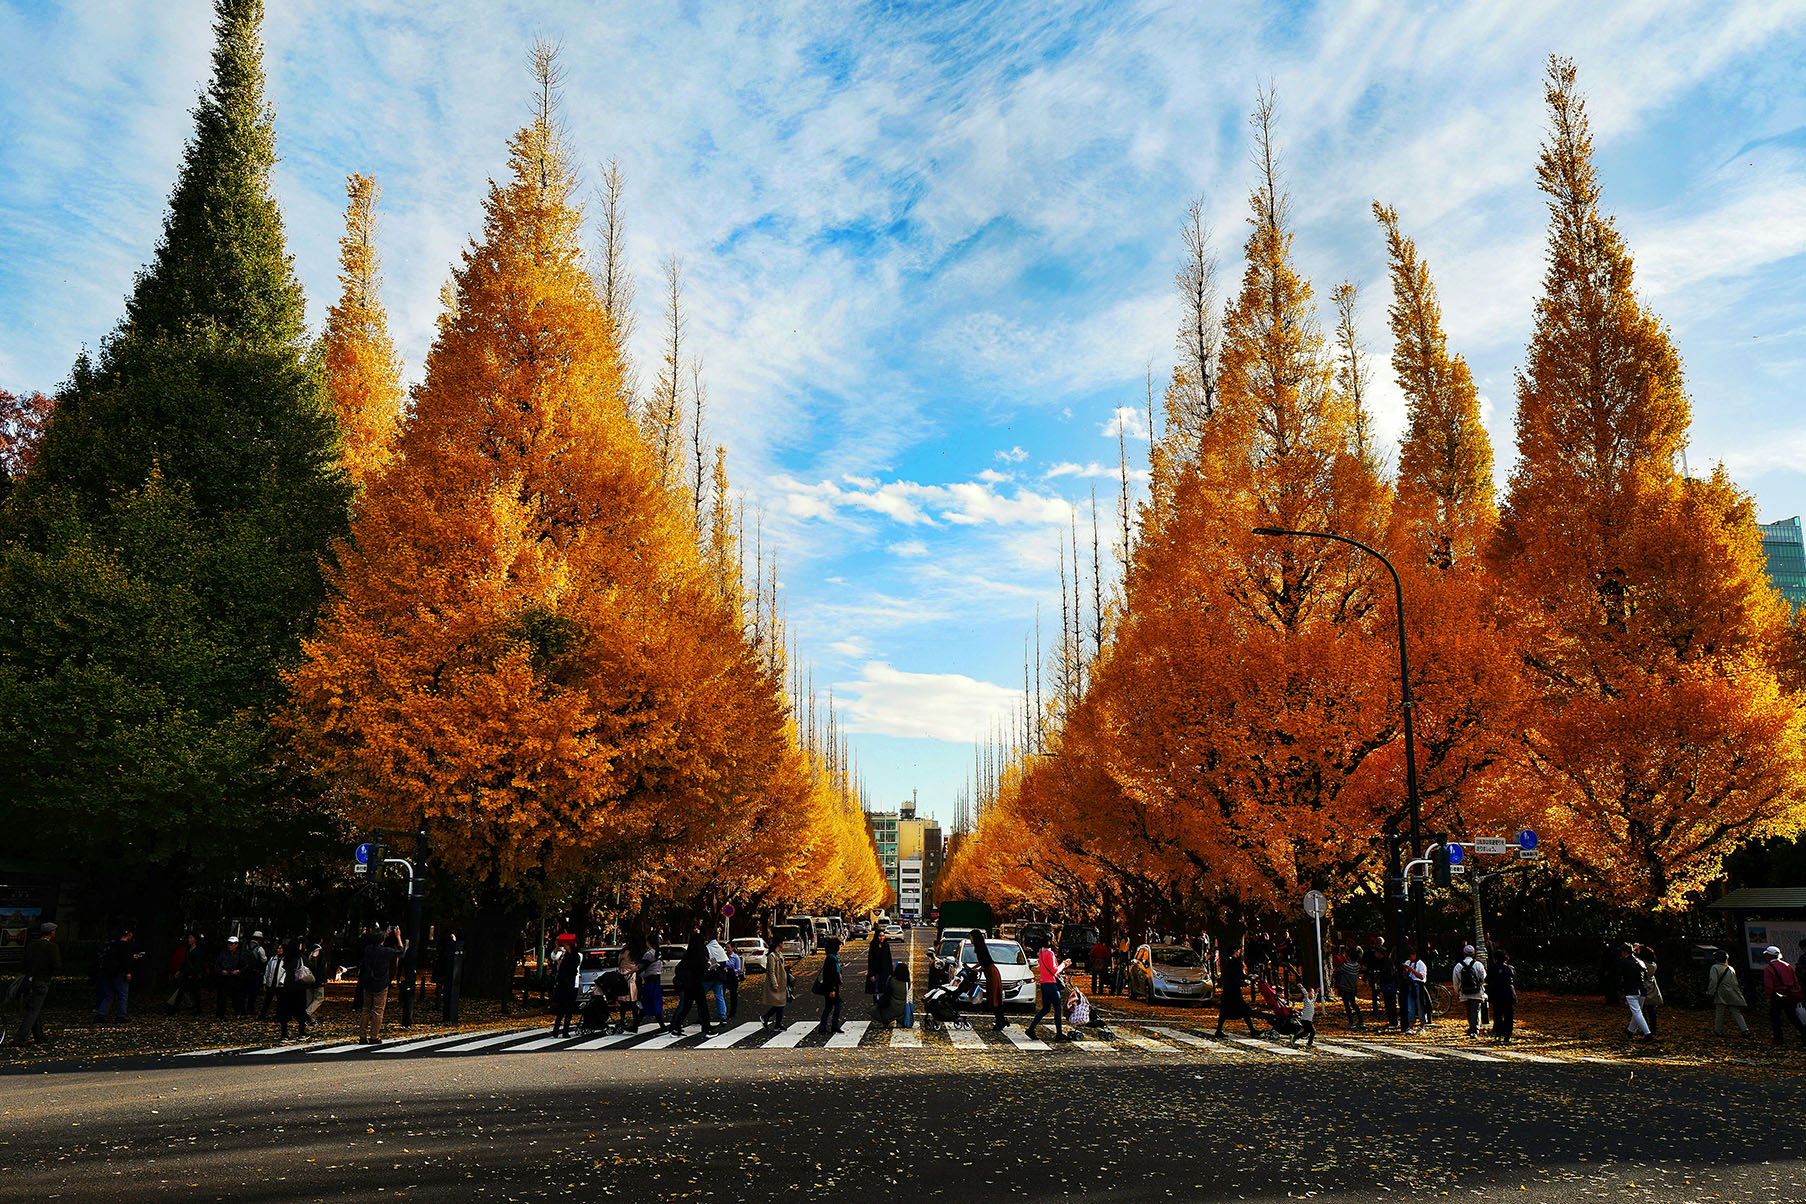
(919, 857)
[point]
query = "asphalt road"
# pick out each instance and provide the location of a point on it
(882, 1121)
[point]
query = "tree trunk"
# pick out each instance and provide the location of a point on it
(494, 931)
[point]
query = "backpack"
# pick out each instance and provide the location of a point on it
(1470, 978)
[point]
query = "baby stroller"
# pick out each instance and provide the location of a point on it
(608, 1006)
(1285, 1023)
(941, 1003)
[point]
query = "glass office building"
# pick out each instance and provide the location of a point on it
(1786, 551)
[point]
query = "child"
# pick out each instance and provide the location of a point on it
(1307, 1012)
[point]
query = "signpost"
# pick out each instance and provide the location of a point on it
(1491, 844)
(727, 923)
(1527, 849)
(1316, 906)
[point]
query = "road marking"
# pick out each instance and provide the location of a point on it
(541, 1043)
(1141, 1042)
(1343, 1050)
(202, 1053)
(1095, 1044)
(1528, 1057)
(849, 1039)
(605, 1042)
(1191, 1039)
(1468, 1055)
(498, 1039)
(281, 1049)
(965, 1038)
(662, 1041)
(790, 1037)
(906, 1038)
(1268, 1046)
(1396, 1052)
(1021, 1040)
(346, 1048)
(428, 1043)
(732, 1037)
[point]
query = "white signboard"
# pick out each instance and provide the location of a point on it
(1490, 844)
(1784, 934)
(1316, 905)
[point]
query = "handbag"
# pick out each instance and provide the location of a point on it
(820, 987)
(303, 976)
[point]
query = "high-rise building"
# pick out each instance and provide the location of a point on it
(1783, 545)
(883, 827)
(918, 860)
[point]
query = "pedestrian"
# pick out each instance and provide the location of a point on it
(1469, 980)
(652, 983)
(1781, 983)
(714, 978)
(736, 970)
(1119, 965)
(899, 985)
(118, 959)
(229, 975)
(1502, 990)
(294, 978)
(688, 980)
(1047, 979)
(42, 960)
(1307, 1019)
(1099, 959)
(828, 986)
(1232, 996)
(1652, 988)
(1726, 994)
(1627, 979)
(448, 973)
(564, 992)
(778, 984)
(374, 974)
(878, 967)
(987, 966)
(257, 963)
(1348, 988)
(315, 961)
(1417, 993)
(274, 979)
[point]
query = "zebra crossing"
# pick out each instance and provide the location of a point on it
(1118, 1039)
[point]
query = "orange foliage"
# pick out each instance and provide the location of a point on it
(363, 373)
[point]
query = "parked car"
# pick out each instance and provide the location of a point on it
(752, 953)
(1014, 967)
(1076, 941)
(595, 961)
(790, 940)
(949, 946)
(670, 955)
(1035, 936)
(1169, 973)
(806, 926)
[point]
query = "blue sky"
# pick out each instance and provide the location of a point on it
(930, 247)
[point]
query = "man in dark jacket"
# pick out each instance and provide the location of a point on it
(688, 981)
(1502, 987)
(879, 964)
(229, 974)
(118, 958)
(447, 973)
(42, 961)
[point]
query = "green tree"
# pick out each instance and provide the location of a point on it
(163, 553)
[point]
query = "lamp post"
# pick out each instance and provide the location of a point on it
(1404, 679)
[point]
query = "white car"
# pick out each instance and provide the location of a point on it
(595, 963)
(1173, 973)
(1013, 968)
(752, 954)
(670, 955)
(791, 941)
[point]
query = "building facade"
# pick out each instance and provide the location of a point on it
(1785, 548)
(918, 861)
(883, 827)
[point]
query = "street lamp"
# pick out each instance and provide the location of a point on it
(1404, 679)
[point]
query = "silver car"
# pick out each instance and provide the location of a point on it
(1169, 974)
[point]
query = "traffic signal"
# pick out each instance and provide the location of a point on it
(1439, 861)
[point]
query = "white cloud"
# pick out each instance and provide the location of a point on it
(923, 706)
(911, 503)
(1126, 421)
(909, 549)
(1067, 468)
(992, 477)
(1014, 455)
(850, 648)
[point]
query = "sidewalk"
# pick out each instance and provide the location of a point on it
(1575, 1025)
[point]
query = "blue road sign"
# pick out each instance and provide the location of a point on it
(1527, 838)
(363, 854)
(727, 909)
(1455, 854)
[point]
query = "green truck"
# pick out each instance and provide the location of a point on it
(963, 915)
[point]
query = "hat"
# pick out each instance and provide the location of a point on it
(232, 940)
(1771, 951)
(1467, 948)
(47, 927)
(257, 936)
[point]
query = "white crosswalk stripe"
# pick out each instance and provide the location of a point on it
(281, 1049)
(605, 1042)
(411, 1046)
(1399, 1052)
(906, 1038)
(1193, 1039)
(1519, 1056)
(1021, 1040)
(662, 1041)
(855, 1030)
(732, 1036)
(964, 1037)
(1345, 1051)
(1141, 1042)
(497, 1039)
(791, 1037)
(1469, 1055)
(541, 1043)
(1268, 1046)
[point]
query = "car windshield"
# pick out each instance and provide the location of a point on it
(1078, 936)
(1175, 955)
(670, 953)
(748, 942)
(1004, 953)
(784, 932)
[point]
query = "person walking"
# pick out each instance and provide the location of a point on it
(117, 961)
(1047, 979)
(987, 966)
(229, 974)
(778, 982)
(295, 977)
(878, 967)
(652, 983)
(1781, 984)
(448, 973)
(1726, 994)
(1502, 990)
(1348, 988)
(1469, 980)
(1119, 965)
(828, 986)
(1417, 993)
(42, 960)
(688, 980)
(736, 970)
(714, 978)
(1232, 996)
(1652, 988)
(564, 992)
(1307, 1019)
(315, 961)
(1627, 979)
(899, 985)
(374, 974)
(1099, 958)
(273, 978)
(257, 963)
